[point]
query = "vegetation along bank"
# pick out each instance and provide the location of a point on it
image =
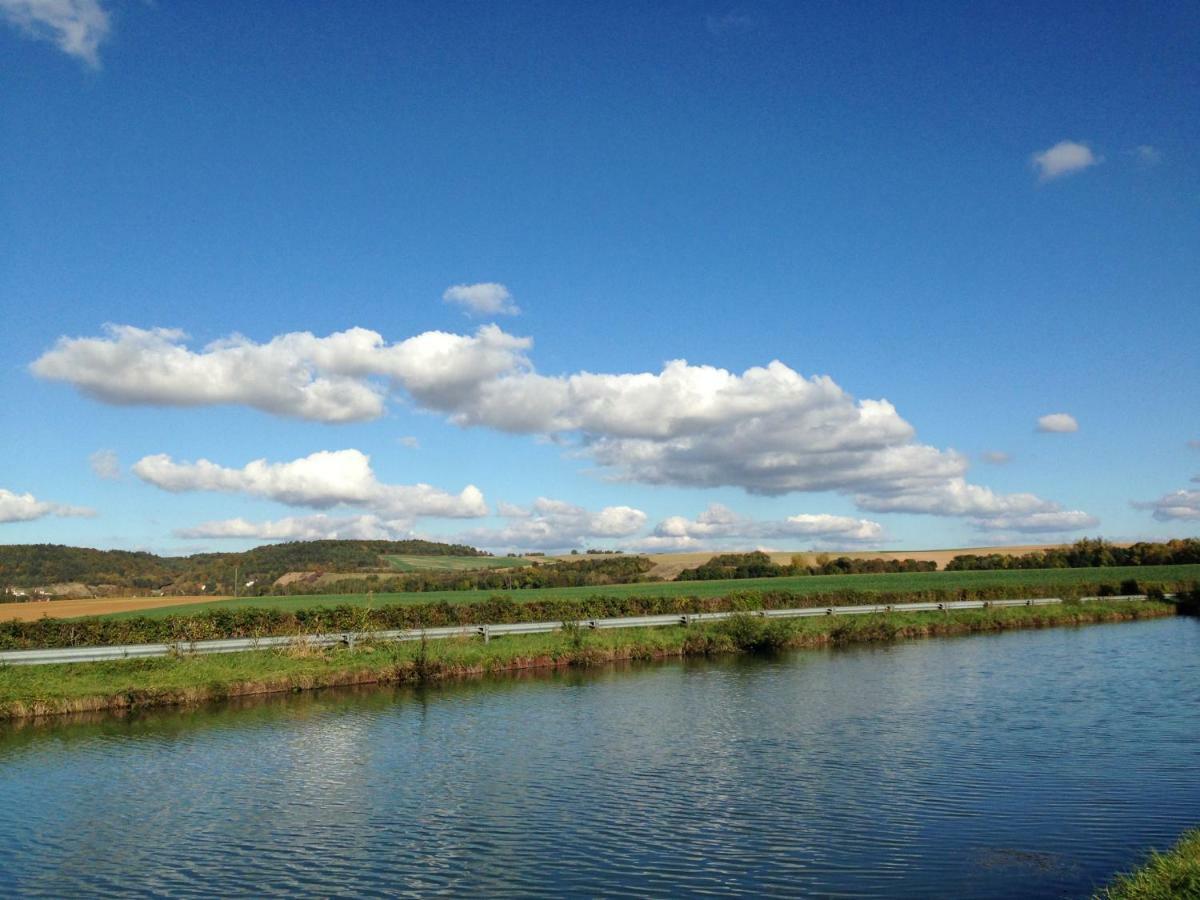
(48, 690)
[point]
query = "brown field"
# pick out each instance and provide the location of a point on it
(96, 606)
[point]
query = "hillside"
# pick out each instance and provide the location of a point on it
(28, 566)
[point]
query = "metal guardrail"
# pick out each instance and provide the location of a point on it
(487, 632)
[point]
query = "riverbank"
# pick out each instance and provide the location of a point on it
(51, 690)
(1165, 876)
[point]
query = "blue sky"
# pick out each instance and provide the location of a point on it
(979, 214)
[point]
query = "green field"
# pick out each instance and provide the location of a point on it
(452, 563)
(812, 584)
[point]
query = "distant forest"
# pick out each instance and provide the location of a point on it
(760, 565)
(34, 565)
(595, 572)
(1084, 554)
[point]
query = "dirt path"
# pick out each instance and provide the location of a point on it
(69, 609)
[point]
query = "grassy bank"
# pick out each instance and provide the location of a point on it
(1165, 876)
(48, 690)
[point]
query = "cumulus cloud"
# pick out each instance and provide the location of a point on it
(1173, 507)
(555, 525)
(983, 508)
(320, 480)
(26, 507)
(1057, 423)
(105, 464)
(1064, 158)
(996, 457)
(331, 379)
(302, 528)
(719, 526)
(487, 298)
(1051, 519)
(768, 430)
(77, 27)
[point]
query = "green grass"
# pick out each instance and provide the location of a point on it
(452, 563)
(1165, 876)
(809, 585)
(44, 690)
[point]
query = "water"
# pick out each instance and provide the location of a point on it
(1026, 764)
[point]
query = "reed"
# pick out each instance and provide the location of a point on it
(1164, 876)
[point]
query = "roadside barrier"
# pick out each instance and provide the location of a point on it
(487, 632)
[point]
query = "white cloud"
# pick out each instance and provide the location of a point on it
(320, 480)
(1057, 423)
(1064, 158)
(409, 441)
(768, 430)
(1174, 506)
(77, 27)
(302, 528)
(105, 464)
(26, 507)
(487, 298)
(1048, 520)
(1147, 155)
(984, 508)
(554, 525)
(720, 526)
(996, 457)
(332, 379)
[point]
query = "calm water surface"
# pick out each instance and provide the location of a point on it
(1026, 764)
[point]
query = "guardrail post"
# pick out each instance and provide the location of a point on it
(486, 632)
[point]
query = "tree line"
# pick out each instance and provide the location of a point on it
(596, 572)
(760, 565)
(1084, 554)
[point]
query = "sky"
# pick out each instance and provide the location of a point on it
(649, 276)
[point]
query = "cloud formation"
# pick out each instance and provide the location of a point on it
(1173, 507)
(996, 457)
(26, 507)
(76, 27)
(768, 430)
(1057, 423)
(105, 464)
(718, 525)
(301, 528)
(1064, 158)
(320, 480)
(331, 379)
(555, 525)
(487, 298)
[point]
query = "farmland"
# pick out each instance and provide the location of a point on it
(453, 563)
(1067, 580)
